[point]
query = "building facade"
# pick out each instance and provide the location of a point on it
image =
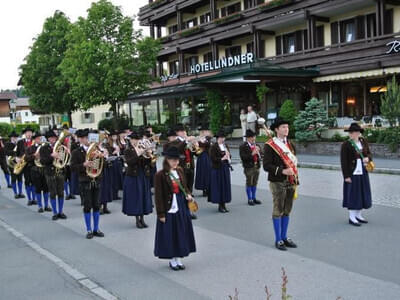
(342, 52)
(5, 110)
(90, 118)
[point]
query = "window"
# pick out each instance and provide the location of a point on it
(87, 118)
(107, 115)
(349, 31)
(233, 51)
(250, 47)
(231, 9)
(190, 61)
(371, 25)
(291, 42)
(388, 22)
(248, 4)
(207, 57)
(26, 114)
(173, 67)
(206, 18)
(319, 40)
(190, 23)
(172, 29)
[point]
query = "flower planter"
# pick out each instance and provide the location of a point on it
(274, 4)
(228, 19)
(190, 31)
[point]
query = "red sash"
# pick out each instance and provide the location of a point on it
(286, 160)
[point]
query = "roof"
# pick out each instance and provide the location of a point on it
(7, 96)
(173, 91)
(19, 102)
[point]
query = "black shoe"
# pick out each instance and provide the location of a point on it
(139, 225)
(362, 221)
(143, 223)
(193, 216)
(250, 202)
(205, 193)
(16, 196)
(68, 197)
(9, 186)
(106, 211)
(221, 209)
(72, 197)
(257, 201)
(226, 210)
(21, 196)
(289, 243)
(47, 209)
(176, 268)
(354, 223)
(280, 246)
(30, 203)
(34, 202)
(98, 233)
(101, 212)
(181, 267)
(62, 216)
(89, 235)
(55, 218)
(40, 210)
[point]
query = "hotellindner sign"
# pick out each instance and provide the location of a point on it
(225, 62)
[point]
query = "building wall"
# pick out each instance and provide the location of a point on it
(26, 116)
(396, 19)
(5, 109)
(96, 115)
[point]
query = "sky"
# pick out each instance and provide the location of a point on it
(22, 20)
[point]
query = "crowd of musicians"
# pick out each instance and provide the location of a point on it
(63, 163)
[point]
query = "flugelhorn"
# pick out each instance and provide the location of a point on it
(63, 152)
(97, 162)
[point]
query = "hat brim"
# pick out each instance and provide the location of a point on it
(354, 130)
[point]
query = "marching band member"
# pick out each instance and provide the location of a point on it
(171, 137)
(137, 192)
(10, 150)
(220, 182)
(3, 163)
(67, 184)
(174, 231)
(89, 188)
(203, 163)
(54, 176)
(251, 161)
(187, 163)
(74, 186)
(281, 164)
(37, 173)
(22, 145)
(106, 186)
(117, 177)
(354, 156)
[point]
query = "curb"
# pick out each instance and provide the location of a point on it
(337, 168)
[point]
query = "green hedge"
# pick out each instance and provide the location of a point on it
(20, 127)
(5, 129)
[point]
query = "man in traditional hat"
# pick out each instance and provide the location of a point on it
(251, 160)
(54, 176)
(10, 150)
(22, 146)
(89, 188)
(281, 164)
(3, 162)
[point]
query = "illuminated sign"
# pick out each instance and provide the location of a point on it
(394, 47)
(225, 62)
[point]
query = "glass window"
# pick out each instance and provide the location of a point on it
(150, 109)
(207, 57)
(291, 44)
(173, 67)
(205, 18)
(233, 51)
(350, 32)
(172, 29)
(137, 114)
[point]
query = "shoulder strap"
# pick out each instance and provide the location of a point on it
(177, 181)
(357, 149)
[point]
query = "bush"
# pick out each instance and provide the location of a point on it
(106, 124)
(371, 135)
(390, 137)
(114, 123)
(20, 127)
(216, 109)
(289, 112)
(5, 129)
(337, 137)
(391, 102)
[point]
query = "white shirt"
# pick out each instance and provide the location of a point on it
(174, 207)
(222, 147)
(243, 118)
(358, 170)
(251, 117)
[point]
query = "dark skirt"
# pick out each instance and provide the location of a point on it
(203, 172)
(175, 237)
(74, 183)
(136, 200)
(357, 194)
(152, 174)
(220, 185)
(117, 177)
(106, 186)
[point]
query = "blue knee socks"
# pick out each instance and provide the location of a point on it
(14, 187)
(87, 221)
(39, 199)
(249, 192)
(28, 190)
(60, 204)
(53, 206)
(285, 225)
(46, 199)
(66, 188)
(7, 179)
(277, 228)
(33, 192)
(253, 192)
(96, 217)
(20, 187)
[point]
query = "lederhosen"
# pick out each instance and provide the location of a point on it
(37, 173)
(22, 145)
(251, 164)
(54, 177)
(89, 188)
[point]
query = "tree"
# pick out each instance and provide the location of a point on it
(106, 59)
(216, 108)
(42, 80)
(289, 112)
(390, 106)
(311, 122)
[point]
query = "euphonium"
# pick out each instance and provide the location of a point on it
(37, 160)
(19, 166)
(63, 153)
(11, 160)
(95, 170)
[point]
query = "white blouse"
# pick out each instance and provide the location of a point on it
(174, 207)
(359, 170)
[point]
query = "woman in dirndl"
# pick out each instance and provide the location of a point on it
(354, 156)
(220, 182)
(136, 200)
(174, 230)
(203, 163)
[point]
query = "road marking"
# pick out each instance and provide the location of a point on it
(74, 273)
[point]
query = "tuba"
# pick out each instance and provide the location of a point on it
(63, 154)
(11, 160)
(20, 165)
(95, 170)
